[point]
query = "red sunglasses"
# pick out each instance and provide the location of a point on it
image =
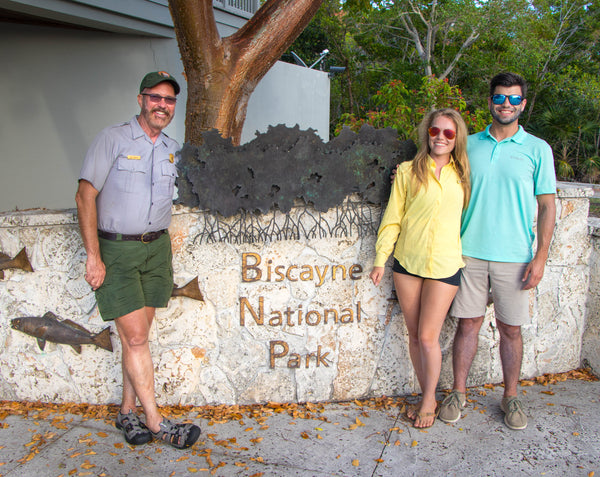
(449, 133)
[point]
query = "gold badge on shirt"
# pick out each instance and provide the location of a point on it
(171, 158)
(134, 158)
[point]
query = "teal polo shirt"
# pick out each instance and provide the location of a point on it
(506, 177)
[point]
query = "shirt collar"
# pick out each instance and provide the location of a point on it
(518, 137)
(137, 131)
(432, 166)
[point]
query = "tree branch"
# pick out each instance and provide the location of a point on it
(272, 29)
(195, 26)
(466, 44)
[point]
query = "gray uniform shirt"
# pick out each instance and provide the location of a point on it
(135, 178)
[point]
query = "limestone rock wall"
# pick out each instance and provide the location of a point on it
(591, 338)
(289, 312)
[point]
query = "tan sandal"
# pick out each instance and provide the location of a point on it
(412, 411)
(422, 415)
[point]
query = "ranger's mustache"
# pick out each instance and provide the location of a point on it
(161, 110)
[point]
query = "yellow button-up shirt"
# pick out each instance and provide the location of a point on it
(424, 225)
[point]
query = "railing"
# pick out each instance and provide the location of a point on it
(243, 8)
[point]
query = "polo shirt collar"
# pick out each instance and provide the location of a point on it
(517, 137)
(137, 131)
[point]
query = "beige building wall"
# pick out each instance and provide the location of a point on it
(61, 86)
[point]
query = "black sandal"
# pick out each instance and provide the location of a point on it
(134, 430)
(180, 436)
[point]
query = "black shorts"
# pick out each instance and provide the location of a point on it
(453, 280)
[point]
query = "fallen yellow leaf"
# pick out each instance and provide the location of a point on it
(414, 444)
(355, 463)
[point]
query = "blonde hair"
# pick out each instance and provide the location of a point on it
(420, 165)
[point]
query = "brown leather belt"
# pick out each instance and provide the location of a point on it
(146, 237)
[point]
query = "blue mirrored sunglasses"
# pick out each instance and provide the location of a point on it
(513, 99)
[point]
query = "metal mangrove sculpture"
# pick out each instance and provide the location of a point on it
(286, 165)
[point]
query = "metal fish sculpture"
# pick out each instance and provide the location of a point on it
(20, 261)
(190, 290)
(50, 328)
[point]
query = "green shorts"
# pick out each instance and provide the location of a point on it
(137, 275)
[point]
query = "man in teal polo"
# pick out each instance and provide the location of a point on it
(512, 172)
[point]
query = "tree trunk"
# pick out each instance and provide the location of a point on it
(222, 73)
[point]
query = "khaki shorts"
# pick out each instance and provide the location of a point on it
(137, 275)
(511, 302)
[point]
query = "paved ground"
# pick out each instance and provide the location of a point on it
(354, 439)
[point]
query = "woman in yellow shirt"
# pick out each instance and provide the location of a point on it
(421, 225)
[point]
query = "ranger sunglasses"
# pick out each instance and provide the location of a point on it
(157, 98)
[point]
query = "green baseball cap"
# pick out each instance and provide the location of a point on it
(156, 77)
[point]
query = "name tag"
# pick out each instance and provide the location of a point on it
(135, 158)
